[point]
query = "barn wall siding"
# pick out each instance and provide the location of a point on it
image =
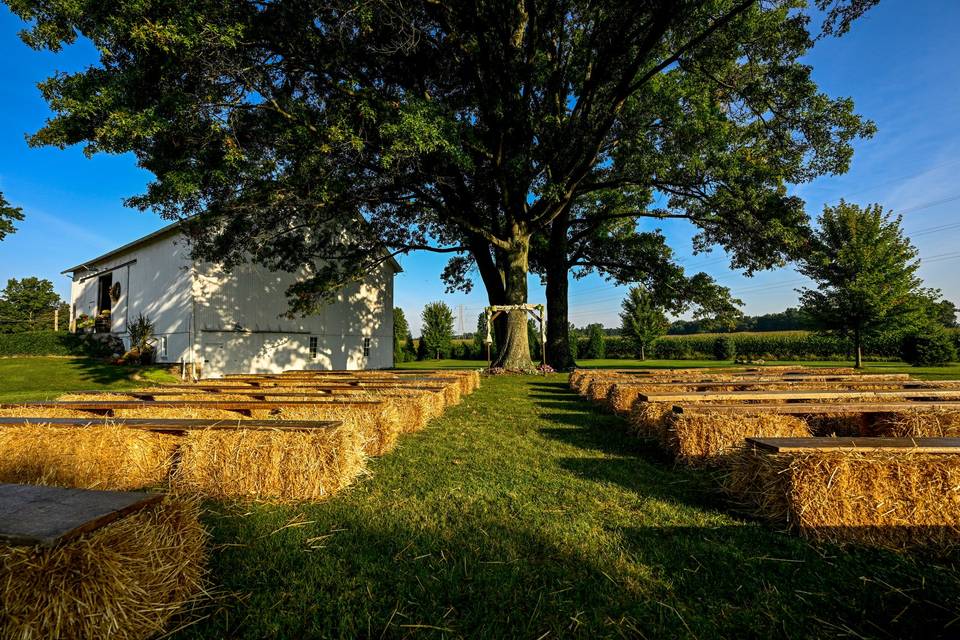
(231, 322)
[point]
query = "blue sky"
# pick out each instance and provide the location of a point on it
(900, 64)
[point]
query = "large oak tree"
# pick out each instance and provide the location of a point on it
(460, 127)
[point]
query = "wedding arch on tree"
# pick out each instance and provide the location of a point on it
(535, 310)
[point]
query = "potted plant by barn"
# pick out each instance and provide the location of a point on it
(141, 340)
(84, 322)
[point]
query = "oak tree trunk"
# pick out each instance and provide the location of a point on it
(515, 347)
(558, 300)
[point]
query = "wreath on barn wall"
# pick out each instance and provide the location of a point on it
(115, 292)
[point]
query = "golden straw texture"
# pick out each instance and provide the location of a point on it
(124, 580)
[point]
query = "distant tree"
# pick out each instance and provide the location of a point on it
(865, 270)
(724, 348)
(643, 321)
(574, 343)
(8, 215)
(28, 305)
(400, 331)
(410, 348)
(944, 312)
(437, 335)
(596, 343)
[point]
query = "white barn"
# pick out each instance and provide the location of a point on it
(214, 322)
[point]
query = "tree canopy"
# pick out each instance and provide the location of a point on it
(866, 275)
(400, 330)
(437, 337)
(8, 215)
(467, 129)
(28, 304)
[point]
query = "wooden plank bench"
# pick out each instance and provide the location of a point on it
(107, 406)
(175, 425)
(803, 384)
(793, 445)
(40, 515)
(801, 395)
(812, 408)
(872, 377)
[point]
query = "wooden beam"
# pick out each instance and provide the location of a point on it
(760, 385)
(786, 396)
(174, 425)
(229, 405)
(801, 408)
(41, 515)
(791, 445)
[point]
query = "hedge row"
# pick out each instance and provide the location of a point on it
(772, 345)
(49, 343)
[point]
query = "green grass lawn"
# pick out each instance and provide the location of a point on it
(524, 512)
(44, 378)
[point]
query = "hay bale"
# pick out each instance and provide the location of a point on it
(93, 397)
(893, 499)
(271, 465)
(198, 413)
(915, 424)
(622, 395)
(379, 425)
(103, 456)
(48, 412)
(648, 419)
(836, 424)
(705, 438)
(124, 580)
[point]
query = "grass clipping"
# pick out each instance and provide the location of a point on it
(893, 499)
(271, 465)
(124, 580)
(103, 456)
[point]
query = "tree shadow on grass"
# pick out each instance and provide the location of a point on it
(477, 571)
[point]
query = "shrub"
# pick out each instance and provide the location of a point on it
(724, 348)
(50, 343)
(933, 348)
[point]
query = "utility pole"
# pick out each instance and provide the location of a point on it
(460, 309)
(56, 320)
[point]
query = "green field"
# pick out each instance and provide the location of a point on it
(525, 512)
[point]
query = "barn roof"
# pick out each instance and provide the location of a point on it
(150, 237)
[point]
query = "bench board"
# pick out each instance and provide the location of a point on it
(38, 515)
(174, 425)
(813, 394)
(804, 384)
(817, 407)
(791, 445)
(228, 405)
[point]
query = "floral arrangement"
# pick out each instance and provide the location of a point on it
(496, 371)
(544, 369)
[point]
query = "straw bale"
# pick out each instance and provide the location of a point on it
(124, 580)
(104, 456)
(622, 396)
(704, 438)
(45, 412)
(648, 419)
(199, 413)
(270, 465)
(836, 424)
(94, 397)
(893, 499)
(379, 425)
(915, 424)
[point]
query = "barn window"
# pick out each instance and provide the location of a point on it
(313, 346)
(366, 347)
(162, 347)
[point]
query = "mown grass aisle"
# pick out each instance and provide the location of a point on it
(525, 513)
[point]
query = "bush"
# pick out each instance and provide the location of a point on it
(724, 348)
(934, 348)
(50, 343)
